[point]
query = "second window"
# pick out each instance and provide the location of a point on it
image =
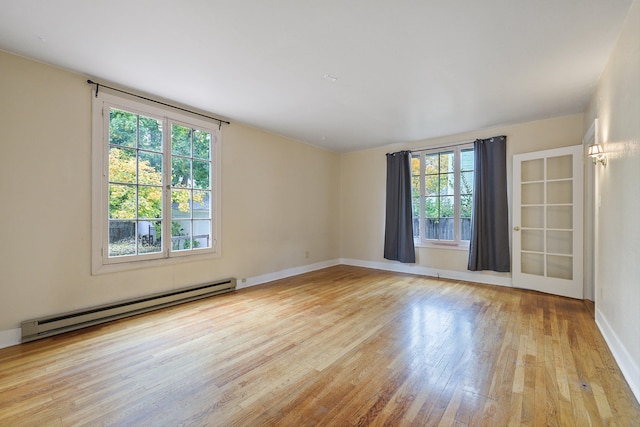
(442, 185)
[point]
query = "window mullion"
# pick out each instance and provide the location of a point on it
(136, 219)
(422, 219)
(166, 185)
(105, 187)
(456, 198)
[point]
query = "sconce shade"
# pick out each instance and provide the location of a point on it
(595, 150)
(597, 154)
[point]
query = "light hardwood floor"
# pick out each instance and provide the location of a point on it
(341, 346)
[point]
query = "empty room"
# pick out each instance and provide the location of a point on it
(251, 213)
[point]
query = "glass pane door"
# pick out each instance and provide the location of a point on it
(547, 222)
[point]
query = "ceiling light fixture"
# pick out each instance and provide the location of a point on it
(331, 78)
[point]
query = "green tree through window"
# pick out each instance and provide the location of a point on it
(136, 210)
(442, 194)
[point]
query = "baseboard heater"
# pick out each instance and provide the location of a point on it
(53, 325)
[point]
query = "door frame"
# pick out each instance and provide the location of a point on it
(590, 216)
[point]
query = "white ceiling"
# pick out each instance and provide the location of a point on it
(406, 69)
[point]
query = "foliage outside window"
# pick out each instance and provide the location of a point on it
(442, 195)
(158, 192)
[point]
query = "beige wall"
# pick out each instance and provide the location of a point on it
(616, 105)
(363, 188)
(280, 201)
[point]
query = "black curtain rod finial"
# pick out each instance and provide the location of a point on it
(91, 82)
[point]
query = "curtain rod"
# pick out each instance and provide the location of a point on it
(220, 121)
(455, 144)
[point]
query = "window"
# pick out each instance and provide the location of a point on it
(442, 186)
(155, 187)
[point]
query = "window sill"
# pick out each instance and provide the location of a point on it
(448, 246)
(100, 268)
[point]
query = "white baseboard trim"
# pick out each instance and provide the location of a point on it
(420, 270)
(627, 365)
(283, 274)
(387, 266)
(10, 337)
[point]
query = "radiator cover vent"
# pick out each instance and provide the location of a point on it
(53, 325)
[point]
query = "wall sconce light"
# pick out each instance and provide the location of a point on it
(597, 154)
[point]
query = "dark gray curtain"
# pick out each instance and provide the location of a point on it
(398, 232)
(489, 246)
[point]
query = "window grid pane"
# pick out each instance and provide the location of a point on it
(447, 195)
(135, 183)
(467, 166)
(191, 171)
(415, 194)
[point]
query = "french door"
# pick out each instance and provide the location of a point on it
(548, 221)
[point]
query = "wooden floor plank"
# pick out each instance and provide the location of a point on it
(342, 346)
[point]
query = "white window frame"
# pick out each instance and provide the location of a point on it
(421, 240)
(100, 261)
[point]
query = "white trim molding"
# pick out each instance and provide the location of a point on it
(628, 366)
(283, 274)
(421, 270)
(10, 337)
